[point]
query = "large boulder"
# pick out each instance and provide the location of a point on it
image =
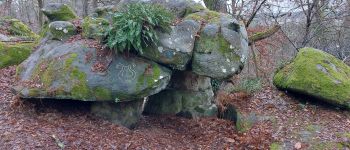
(174, 49)
(180, 8)
(61, 30)
(188, 95)
(59, 12)
(222, 48)
(75, 71)
(318, 74)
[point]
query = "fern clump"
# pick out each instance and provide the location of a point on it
(134, 27)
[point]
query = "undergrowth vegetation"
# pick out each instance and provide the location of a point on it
(134, 27)
(248, 85)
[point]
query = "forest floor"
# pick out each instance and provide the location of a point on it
(290, 123)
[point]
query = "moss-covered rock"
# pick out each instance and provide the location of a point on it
(318, 74)
(94, 28)
(207, 15)
(14, 53)
(63, 72)
(59, 12)
(17, 29)
(222, 48)
(61, 30)
(174, 49)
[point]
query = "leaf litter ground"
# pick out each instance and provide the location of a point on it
(45, 124)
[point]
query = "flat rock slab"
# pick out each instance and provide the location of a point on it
(67, 71)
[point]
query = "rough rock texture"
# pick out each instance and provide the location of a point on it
(175, 49)
(14, 53)
(61, 30)
(189, 95)
(63, 71)
(222, 48)
(123, 113)
(180, 8)
(94, 27)
(59, 12)
(318, 74)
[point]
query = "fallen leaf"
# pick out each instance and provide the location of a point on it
(297, 145)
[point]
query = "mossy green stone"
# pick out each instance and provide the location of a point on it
(60, 70)
(207, 16)
(59, 12)
(13, 54)
(318, 74)
(17, 28)
(61, 30)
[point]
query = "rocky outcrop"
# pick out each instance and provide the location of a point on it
(317, 74)
(200, 46)
(175, 49)
(222, 48)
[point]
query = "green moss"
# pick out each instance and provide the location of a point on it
(44, 29)
(209, 44)
(80, 89)
(13, 54)
(34, 93)
(205, 16)
(312, 72)
(149, 78)
(48, 75)
(193, 9)
(76, 79)
(17, 28)
(94, 27)
(275, 146)
(69, 61)
(325, 145)
(103, 94)
(64, 13)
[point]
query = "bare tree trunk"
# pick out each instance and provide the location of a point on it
(41, 5)
(85, 7)
(95, 4)
(7, 8)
